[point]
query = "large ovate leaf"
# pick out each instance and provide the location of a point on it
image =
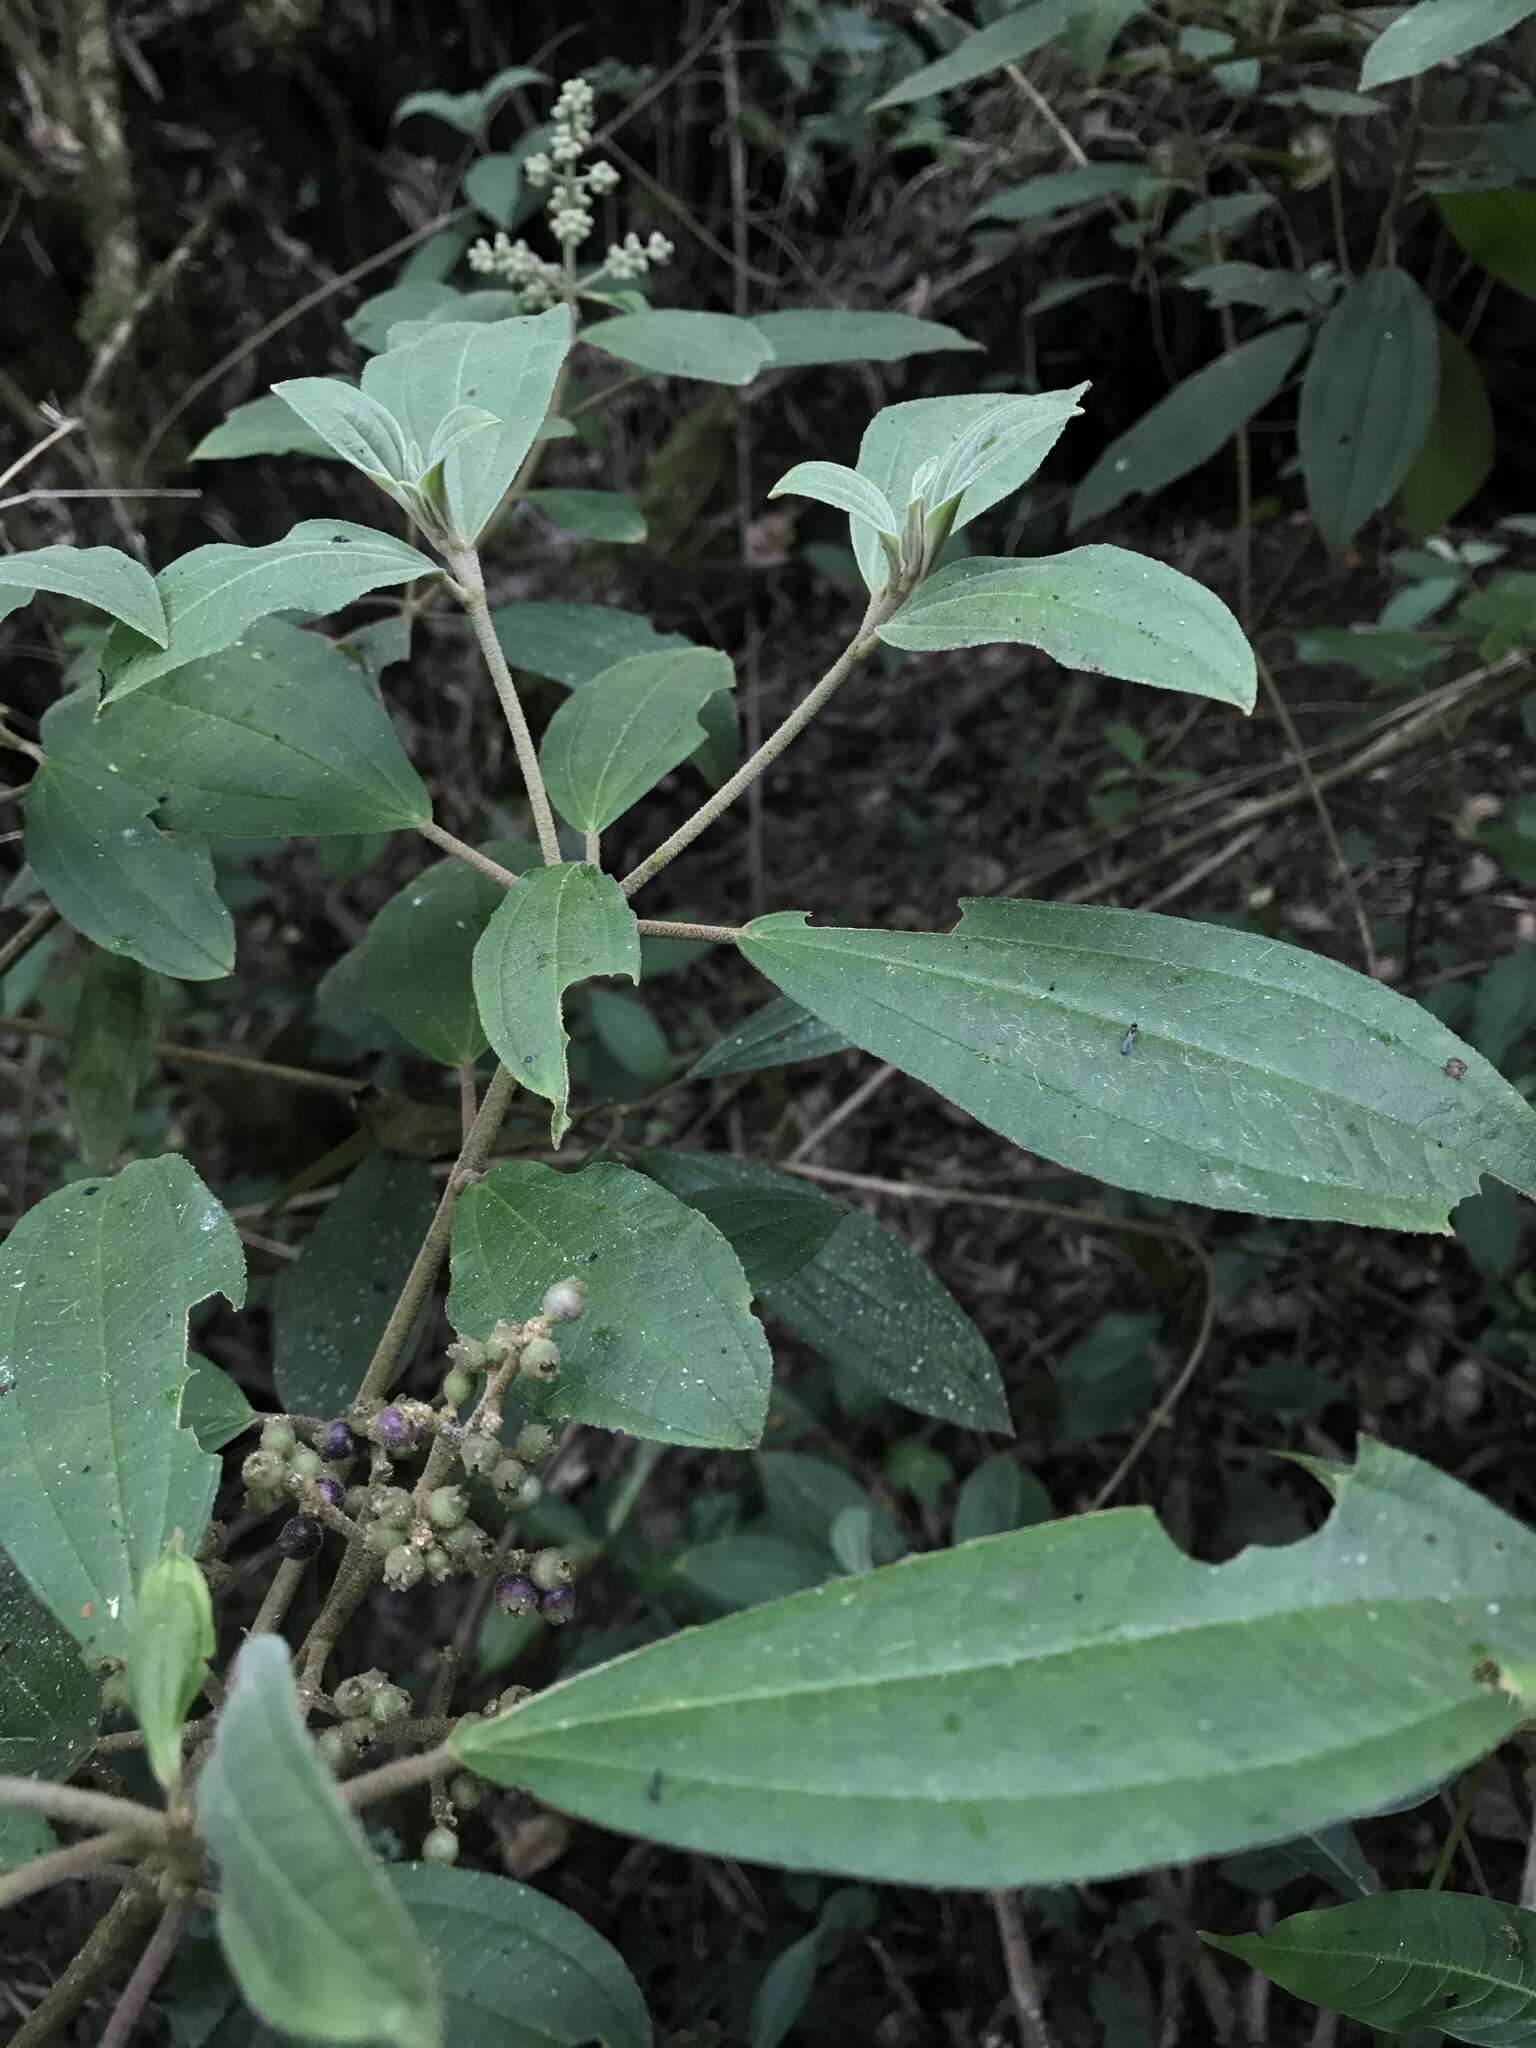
(331, 1305)
(1497, 230)
(712, 348)
(107, 868)
(1367, 401)
(104, 577)
(1098, 608)
(815, 335)
(775, 1035)
(1403, 1960)
(1195, 420)
(773, 1231)
(572, 643)
(413, 969)
(1437, 32)
(49, 1699)
(865, 1302)
(668, 1348)
(318, 1938)
(262, 426)
(278, 734)
(990, 1716)
(508, 369)
(96, 1472)
(903, 439)
(1018, 33)
(1084, 185)
(1454, 462)
(1260, 1078)
(558, 927)
(213, 594)
(619, 734)
(111, 1051)
(611, 516)
(517, 1969)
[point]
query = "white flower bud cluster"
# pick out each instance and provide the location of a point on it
(633, 258)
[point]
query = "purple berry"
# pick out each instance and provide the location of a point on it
(336, 1442)
(517, 1594)
(301, 1538)
(331, 1491)
(392, 1430)
(559, 1604)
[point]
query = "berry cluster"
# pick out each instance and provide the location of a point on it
(364, 1704)
(572, 188)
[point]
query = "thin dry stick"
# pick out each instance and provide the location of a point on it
(45, 495)
(80, 1859)
(982, 1198)
(867, 1089)
(20, 943)
(207, 1056)
(38, 448)
(152, 1966)
(1176, 1391)
(669, 77)
(466, 573)
(1019, 1961)
(112, 1932)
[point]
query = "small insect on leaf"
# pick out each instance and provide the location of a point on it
(1130, 1038)
(1455, 1070)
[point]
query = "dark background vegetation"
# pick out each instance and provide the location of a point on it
(178, 177)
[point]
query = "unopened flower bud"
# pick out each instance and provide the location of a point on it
(335, 1750)
(465, 1790)
(300, 1538)
(440, 1845)
(438, 1563)
(551, 1568)
(508, 1477)
(467, 1354)
(535, 1442)
(467, 1545)
(458, 1386)
(447, 1507)
(403, 1568)
(304, 1463)
(479, 1455)
(566, 1300)
(392, 1504)
(353, 1698)
(390, 1703)
(540, 1360)
(279, 1435)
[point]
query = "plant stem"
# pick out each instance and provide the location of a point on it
(861, 644)
(112, 1932)
(1018, 1959)
(462, 850)
(80, 1859)
(398, 1776)
(671, 928)
(466, 572)
(152, 1966)
(81, 1809)
(279, 1597)
(356, 1573)
(418, 1282)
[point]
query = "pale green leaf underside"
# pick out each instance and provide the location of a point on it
(96, 1473)
(559, 926)
(1262, 1078)
(619, 734)
(1068, 1702)
(517, 1969)
(1098, 608)
(811, 336)
(712, 348)
(358, 428)
(104, 577)
(1403, 1960)
(214, 593)
(315, 1933)
(830, 483)
(668, 1348)
(1436, 32)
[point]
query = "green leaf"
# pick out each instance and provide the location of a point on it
(999, 1495)
(747, 1569)
(1367, 401)
(910, 1725)
(1437, 32)
(1455, 461)
(468, 111)
(1401, 1960)
(519, 1970)
(374, 323)
(318, 1938)
(111, 1051)
(776, 1035)
(331, 1305)
(668, 1348)
(213, 594)
(104, 577)
(1504, 1007)
(1190, 425)
(559, 926)
(263, 426)
(773, 1231)
(712, 348)
(278, 734)
(1019, 33)
(1261, 1078)
(598, 515)
(805, 1496)
(992, 443)
(413, 968)
(620, 733)
(1097, 608)
(1053, 191)
(1488, 1224)
(168, 1651)
(1216, 219)
(866, 1303)
(572, 643)
(108, 870)
(811, 336)
(627, 1031)
(50, 1700)
(359, 429)
(96, 1472)
(23, 1838)
(494, 184)
(213, 1407)
(508, 369)
(903, 439)
(1279, 293)
(1497, 230)
(829, 483)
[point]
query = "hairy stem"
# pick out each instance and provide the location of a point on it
(863, 641)
(82, 1809)
(152, 1966)
(279, 1597)
(462, 850)
(356, 1573)
(112, 1932)
(399, 1776)
(466, 572)
(80, 1859)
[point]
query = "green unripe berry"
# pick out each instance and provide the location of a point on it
(403, 1568)
(304, 1463)
(390, 1703)
(551, 1568)
(392, 1504)
(440, 1845)
(279, 1436)
(467, 1354)
(380, 1538)
(354, 1696)
(465, 1790)
(437, 1563)
(354, 1502)
(466, 1544)
(334, 1748)
(508, 1476)
(457, 1387)
(526, 1496)
(535, 1442)
(479, 1455)
(540, 1360)
(263, 1472)
(447, 1507)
